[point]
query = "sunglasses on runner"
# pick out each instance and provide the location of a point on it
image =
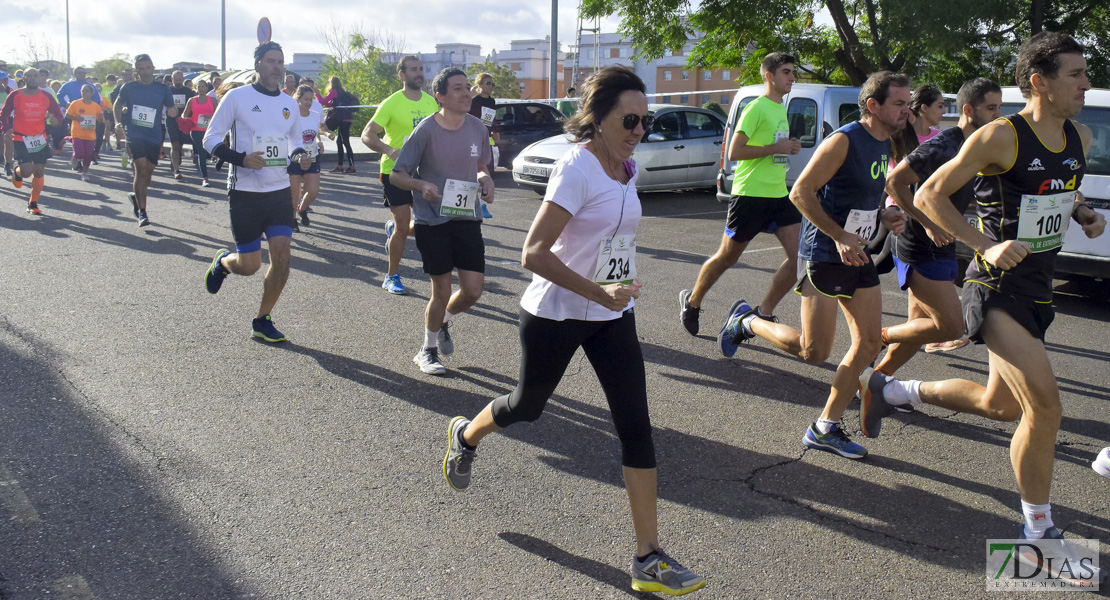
(631, 121)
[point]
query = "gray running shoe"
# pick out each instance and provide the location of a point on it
(143, 219)
(658, 572)
(456, 465)
(428, 361)
(872, 404)
(689, 315)
(446, 344)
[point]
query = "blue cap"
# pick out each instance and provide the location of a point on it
(3, 75)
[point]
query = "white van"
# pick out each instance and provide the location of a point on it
(813, 111)
(1080, 255)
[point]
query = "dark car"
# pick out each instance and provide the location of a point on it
(522, 123)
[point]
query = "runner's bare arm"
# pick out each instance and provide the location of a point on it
(899, 185)
(370, 137)
(991, 149)
(824, 164)
(739, 149)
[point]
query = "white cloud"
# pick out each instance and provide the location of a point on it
(190, 31)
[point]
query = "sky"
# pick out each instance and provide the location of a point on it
(190, 31)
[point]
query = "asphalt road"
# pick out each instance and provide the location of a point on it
(149, 448)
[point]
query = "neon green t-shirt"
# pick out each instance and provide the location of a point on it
(764, 122)
(398, 116)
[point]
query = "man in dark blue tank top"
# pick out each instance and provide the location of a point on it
(839, 195)
(1031, 164)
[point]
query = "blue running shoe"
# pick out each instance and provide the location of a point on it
(389, 227)
(134, 204)
(872, 404)
(264, 328)
(732, 331)
(392, 284)
(835, 441)
(485, 212)
(217, 273)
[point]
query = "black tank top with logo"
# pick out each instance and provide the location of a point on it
(1031, 201)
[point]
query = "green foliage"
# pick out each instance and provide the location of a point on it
(364, 74)
(715, 107)
(943, 41)
(115, 65)
(504, 79)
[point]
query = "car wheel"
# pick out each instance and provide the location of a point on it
(540, 191)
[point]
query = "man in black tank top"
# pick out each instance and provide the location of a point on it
(924, 254)
(1031, 165)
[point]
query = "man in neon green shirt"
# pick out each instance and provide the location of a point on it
(396, 117)
(759, 202)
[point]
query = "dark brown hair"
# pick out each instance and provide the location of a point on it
(600, 94)
(1039, 54)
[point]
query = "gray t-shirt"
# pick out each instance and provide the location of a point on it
(436, 154)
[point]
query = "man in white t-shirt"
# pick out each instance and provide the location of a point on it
(265, 137)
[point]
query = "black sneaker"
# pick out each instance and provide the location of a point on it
(264, 328)
(296, 227)
(689, 315)
(134, 204)
(303, 214)
(217, 273)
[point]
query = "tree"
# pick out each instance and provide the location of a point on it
(37, 49)
(504, 79)
(115, 65)
(955, 39)
(355, 57)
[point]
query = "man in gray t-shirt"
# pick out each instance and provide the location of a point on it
(444, 163)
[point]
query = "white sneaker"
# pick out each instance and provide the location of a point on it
(428, 361)
(1101, 465)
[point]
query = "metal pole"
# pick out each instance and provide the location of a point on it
(553, 87)
(69, 61)
(223, 35)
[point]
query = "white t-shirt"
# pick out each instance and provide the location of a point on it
(318, 109)
(257, 122)
(309, 129)
(601, 209)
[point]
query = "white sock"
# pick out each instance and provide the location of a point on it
(824, 426)
(431, 339)
(1038, 519)
(447, 316)
(902, 392)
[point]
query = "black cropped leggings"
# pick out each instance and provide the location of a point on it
(343, 140)
(613, 349)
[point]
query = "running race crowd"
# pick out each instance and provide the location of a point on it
(892, 166)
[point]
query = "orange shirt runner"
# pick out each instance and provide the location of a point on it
(84, 117)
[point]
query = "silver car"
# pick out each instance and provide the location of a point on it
(681, 151)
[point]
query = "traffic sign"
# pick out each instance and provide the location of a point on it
(265, 30)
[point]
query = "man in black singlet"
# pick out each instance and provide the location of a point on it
(1032, 164)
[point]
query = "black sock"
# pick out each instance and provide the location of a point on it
(644, 557)
(462, 440)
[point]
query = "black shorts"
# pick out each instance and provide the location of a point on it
(394, 196)
(456, 244)
(749, 216)
(139, 148)
(294, 167)
(978, 299)
(255, 213)
(175, 134)
(23, 156)
(838, 280)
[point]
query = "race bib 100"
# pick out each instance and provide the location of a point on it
(1044, 219)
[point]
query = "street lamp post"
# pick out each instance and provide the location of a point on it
(69, 60)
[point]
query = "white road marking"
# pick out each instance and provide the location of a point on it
(13, 498)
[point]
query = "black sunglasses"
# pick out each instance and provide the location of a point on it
(631, 121)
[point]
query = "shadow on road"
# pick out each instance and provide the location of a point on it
(81, 519)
